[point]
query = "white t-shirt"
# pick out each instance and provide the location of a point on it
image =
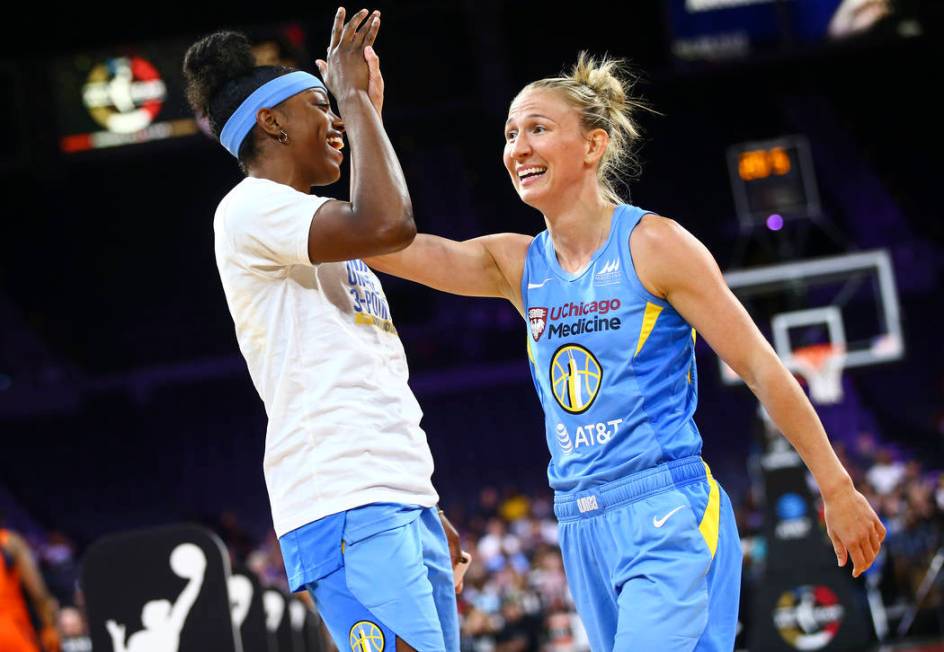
(325, 358)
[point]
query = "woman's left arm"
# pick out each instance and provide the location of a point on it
(673, 264)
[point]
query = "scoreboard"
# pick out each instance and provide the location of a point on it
(773, 181)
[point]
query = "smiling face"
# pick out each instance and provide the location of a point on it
(315, 135)
(547, 154)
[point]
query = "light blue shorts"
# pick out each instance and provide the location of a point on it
(378, 573)
(654, 560)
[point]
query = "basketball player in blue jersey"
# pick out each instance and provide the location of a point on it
(613, 296)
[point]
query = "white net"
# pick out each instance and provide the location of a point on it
(821, 366)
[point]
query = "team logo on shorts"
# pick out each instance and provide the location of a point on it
(576, 376)
(537, 317)
(366, 637)
(808, 617)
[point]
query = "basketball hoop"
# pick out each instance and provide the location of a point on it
(821, 366)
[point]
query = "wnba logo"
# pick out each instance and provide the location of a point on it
(808, 617)
(366, 637)
(575, 376)
(124, 94)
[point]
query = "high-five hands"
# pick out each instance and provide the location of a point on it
(352, 64)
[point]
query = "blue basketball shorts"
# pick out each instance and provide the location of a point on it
(654, 560)
(378, 573)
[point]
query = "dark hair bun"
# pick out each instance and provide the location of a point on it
(211, 62)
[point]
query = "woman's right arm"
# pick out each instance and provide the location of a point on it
(379, 217)
(488, 266)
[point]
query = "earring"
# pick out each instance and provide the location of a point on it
(283, 137)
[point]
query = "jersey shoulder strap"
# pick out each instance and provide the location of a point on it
(533, 262)
(629, 216)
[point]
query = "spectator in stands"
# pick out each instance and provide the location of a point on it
(885, 475)
(58, 564)
(565, 633)
(477, 632)
(520, 631)
(74, 630)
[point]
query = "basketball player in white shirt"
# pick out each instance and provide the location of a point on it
(347, 465)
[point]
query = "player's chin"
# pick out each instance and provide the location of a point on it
(328, 172)
(533, 197)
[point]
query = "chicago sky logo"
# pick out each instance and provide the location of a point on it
(609, 274)
(537, 317)
(576, 376)
(366, 636)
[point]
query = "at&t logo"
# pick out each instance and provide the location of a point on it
(563, 439)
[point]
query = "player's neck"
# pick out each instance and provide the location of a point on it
(281, 170)
(578, 229)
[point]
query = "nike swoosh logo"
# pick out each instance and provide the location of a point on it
(659, 522)
(531, 286)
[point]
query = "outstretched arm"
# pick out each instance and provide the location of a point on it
(489, 266)
(673, 264)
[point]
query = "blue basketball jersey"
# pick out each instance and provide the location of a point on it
(613, 364)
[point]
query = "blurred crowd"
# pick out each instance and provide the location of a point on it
(515, 596)
(909, 498)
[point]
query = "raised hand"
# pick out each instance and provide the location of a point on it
(375, 85)
(346, 68)
(379, 217)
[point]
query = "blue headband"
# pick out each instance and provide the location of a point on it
(264, 97)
